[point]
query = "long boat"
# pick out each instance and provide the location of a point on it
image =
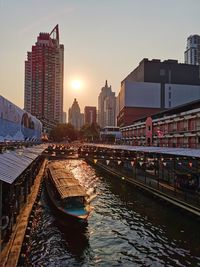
(68, 197)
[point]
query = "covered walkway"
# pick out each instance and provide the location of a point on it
(172, 171)
(18, 169)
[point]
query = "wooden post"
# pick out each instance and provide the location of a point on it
(158, 173)
(174, 167)
(145, 169)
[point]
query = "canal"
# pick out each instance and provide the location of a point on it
(126, 228)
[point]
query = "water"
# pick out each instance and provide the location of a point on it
(126, 228)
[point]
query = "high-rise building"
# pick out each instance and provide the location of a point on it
(106, 107)
(192, 53)
(44, 68)
(64, 117)
(75, 117)
(90, 115)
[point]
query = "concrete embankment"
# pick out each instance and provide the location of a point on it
(11, 252)
(173, 200)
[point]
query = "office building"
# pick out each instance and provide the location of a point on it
(75, 117)
(64, 117)
(106, 107)
(90, 115)
(154, 86)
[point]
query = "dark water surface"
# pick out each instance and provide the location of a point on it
(126, 228)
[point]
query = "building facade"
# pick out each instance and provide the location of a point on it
(44, 68)
(16, 124)
(176, 127)
(106, 107)
(192, 52)
(75, 117)
(64, 117)
(90, 115)
(155, 86)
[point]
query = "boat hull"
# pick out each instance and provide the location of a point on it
(62, 215)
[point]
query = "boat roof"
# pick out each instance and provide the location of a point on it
(66, 184)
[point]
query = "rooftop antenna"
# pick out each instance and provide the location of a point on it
(55, 33)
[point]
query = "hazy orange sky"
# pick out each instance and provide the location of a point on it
(103, 39)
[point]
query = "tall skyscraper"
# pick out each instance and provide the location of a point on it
(106, 107)
(75, 116)
(90, 115)
(44, 69)
(192, 53)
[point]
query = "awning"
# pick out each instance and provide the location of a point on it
(13, 163)
(185, 152)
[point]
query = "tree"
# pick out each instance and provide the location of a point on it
(90, 132)
(63, 131)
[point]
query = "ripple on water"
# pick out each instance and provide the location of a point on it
(126, 228)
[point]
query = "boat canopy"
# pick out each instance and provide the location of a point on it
(64, 181)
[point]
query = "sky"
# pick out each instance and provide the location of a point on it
(103, 40)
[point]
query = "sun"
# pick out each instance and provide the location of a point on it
(76, 84)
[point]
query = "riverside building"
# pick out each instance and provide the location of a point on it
(176, 127)
(43, 96)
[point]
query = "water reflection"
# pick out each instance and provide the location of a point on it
(77, 239)
(126, 228)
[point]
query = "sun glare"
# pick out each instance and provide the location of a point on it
(76, 84)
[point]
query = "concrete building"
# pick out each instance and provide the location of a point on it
(75, 117)
(176, 127)
(106, 107)
(192, 53)
(154, 86)
(43, 95)
(90, 115)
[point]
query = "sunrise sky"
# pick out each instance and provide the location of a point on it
(103, 39)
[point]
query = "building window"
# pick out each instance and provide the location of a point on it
(169, 104)
(162, 72)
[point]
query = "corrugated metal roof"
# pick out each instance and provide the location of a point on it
(185, 152)
(13, 163)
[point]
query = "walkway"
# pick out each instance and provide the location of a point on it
(157, 188)
(11, 252)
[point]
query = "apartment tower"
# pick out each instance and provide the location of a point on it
(43, 95)
(192, 53)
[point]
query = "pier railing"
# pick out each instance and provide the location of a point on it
(177, 178)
